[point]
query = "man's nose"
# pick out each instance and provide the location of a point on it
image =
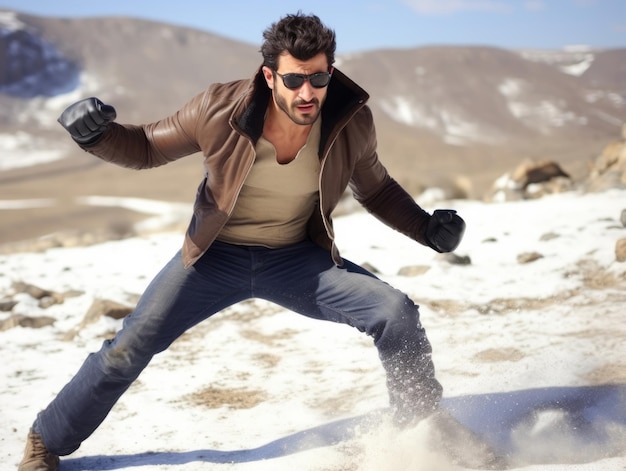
(306, 91)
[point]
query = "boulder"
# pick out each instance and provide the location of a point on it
(609, 168)
(99, 308)
(106, 308)
(530, 172)
(531, 179)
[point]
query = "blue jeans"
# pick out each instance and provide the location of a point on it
(301, 278)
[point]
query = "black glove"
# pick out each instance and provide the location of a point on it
(445, 230)
(86, 120)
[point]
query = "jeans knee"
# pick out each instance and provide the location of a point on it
(404, 315)
(117, 360)
(399, 326)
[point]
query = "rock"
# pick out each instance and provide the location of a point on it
(20, 320)
(620, 250)
(528, 257)
(455, 259)
(47, 301)
(609, 169)
(6, 305)
(445, 189)
(530, 172)
(105, 307)
(530, 179)
(550, 187)
(623, 217)
(45, 297)
(98, 309)
(36, 322)
(370, 268)
(548, 236)
(32, 290)
(413, 270)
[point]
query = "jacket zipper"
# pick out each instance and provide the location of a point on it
(324, 159)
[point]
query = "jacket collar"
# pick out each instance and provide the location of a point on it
(344, 98)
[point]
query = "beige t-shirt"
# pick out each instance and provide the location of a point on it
(276, 200)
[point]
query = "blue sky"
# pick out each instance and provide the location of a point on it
(374, 24)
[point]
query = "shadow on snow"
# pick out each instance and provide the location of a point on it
(546, 425)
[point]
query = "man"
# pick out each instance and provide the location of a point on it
(279, 151)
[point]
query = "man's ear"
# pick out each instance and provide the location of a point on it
(268, 74)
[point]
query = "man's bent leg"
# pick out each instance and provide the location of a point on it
(308, 282)
(391, 318)
(176, 300)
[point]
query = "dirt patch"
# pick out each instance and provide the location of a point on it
(249, 310)
(505, 305)
(214, 398)
(498, 306)
(595, 276)
(608, 374)
(446, 306)
(267, 359)
(271, 339)
(340, 402)
(499, 354)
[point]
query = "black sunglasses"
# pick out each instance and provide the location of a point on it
(295, 81)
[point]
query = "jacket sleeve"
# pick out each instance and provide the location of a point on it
(383, 196)
(155, 144)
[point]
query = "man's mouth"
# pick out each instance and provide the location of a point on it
(307, 107)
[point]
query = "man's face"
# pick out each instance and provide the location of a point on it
(304, 103)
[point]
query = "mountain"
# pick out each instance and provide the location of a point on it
(443, 113)
(491, 106)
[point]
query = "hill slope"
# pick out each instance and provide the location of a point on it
(442, 113)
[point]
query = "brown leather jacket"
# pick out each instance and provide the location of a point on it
(224, 123)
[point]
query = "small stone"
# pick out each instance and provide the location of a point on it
(528, 257)
(413, 270)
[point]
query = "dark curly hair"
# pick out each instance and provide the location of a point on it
(302, 36)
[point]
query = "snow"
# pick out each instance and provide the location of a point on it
(34, 153)
(448, 123)
(541, 114)
(165, 214)
(511, 87)
(25, 204)
(22, 149)
(544, 115)
(572, 60)
(530, 355)
(9, 22)
(578, 69)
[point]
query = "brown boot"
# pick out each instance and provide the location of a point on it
(36, 456)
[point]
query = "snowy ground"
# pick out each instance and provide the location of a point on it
(531, 355)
